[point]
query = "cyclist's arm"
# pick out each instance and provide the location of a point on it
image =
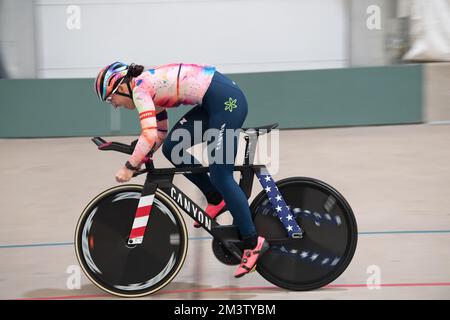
(147, 115)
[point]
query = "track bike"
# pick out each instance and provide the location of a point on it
(131, 240)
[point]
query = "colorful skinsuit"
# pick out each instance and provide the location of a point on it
(219, 104)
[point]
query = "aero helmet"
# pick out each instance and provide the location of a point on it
(109, 78)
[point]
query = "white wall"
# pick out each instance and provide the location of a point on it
(17, 52)
(236, 36)
(372, 47)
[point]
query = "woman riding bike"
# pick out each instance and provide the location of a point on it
(218, 103)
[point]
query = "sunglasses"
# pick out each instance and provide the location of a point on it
(109, 98)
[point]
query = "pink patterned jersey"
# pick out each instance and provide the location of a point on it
(163, 87)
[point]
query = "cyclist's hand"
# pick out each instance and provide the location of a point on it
(124, 174)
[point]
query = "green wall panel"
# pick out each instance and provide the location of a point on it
(295, 99)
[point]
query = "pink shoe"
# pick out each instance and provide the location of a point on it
(250, 257)
(213, 211)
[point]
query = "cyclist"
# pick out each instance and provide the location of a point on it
(218, 103)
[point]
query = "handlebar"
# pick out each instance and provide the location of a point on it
(114, 146)
(104, 145)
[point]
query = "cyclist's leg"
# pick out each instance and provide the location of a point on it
(202, 180)
(227, 109)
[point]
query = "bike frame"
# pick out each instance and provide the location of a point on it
(163, 179)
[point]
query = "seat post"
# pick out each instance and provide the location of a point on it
(251, 140)
(247, 173)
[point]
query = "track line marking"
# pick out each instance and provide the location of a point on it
(366, 233)
(163, 292)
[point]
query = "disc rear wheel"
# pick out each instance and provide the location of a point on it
(328, 243)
